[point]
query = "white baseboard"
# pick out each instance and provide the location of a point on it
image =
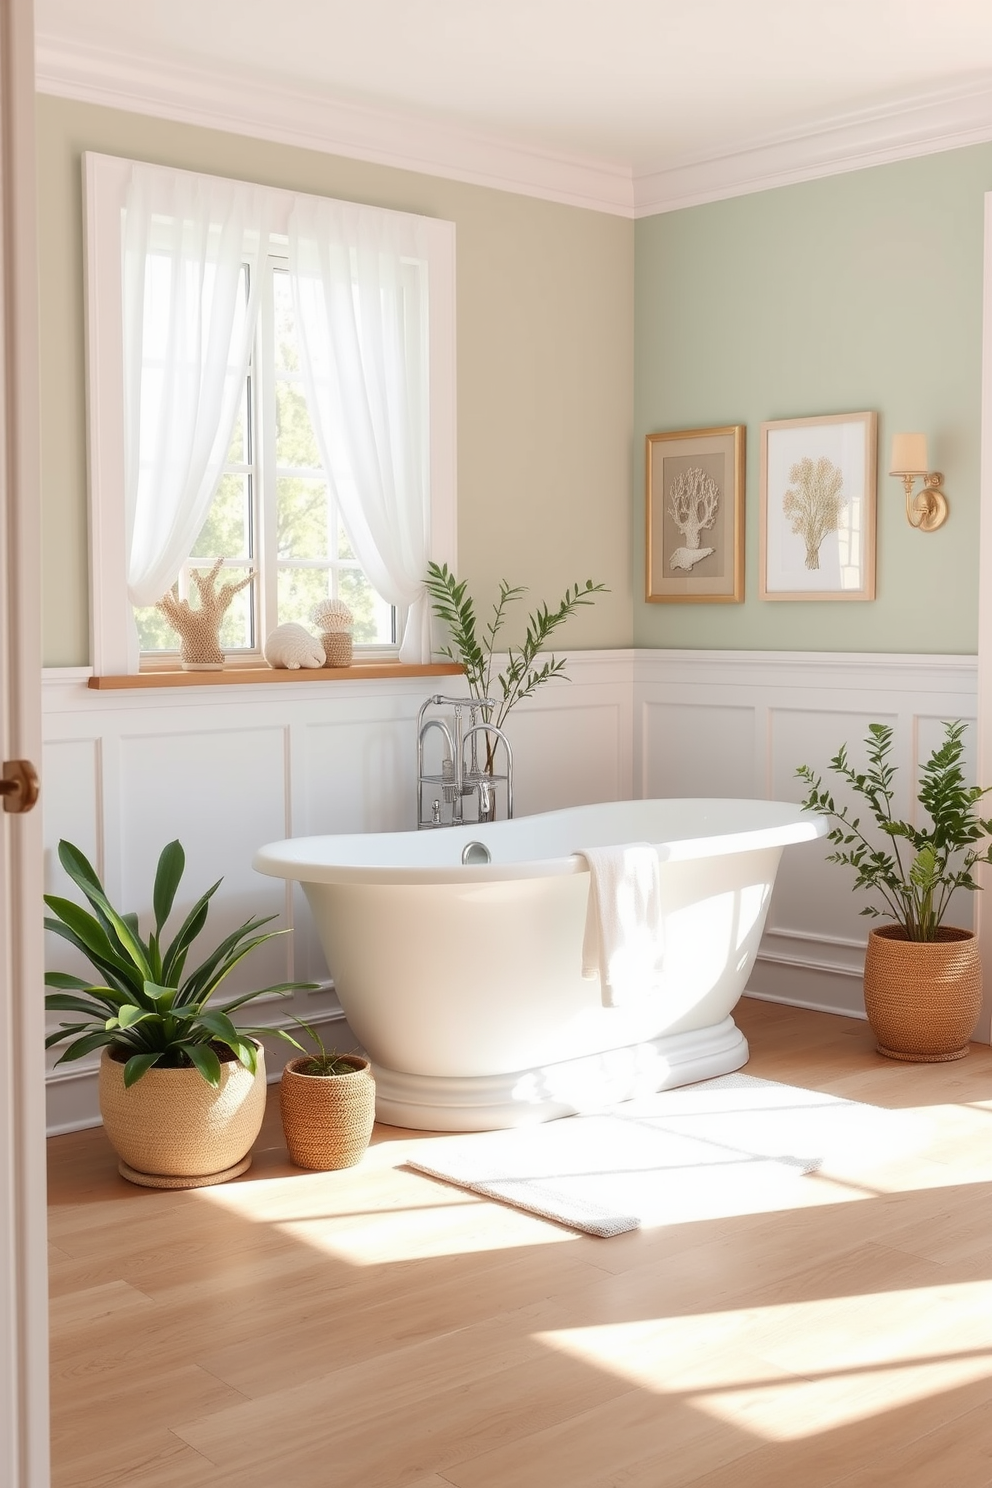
(814, 991)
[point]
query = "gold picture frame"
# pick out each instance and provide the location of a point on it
(817, 507)
(694, 508)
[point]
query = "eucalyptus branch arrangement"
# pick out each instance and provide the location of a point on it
(523, 674)
(925, 865)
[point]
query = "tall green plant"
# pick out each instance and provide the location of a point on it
(476, 652)
(147, 1004)
(926, 864)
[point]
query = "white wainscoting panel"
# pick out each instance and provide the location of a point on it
(73, 792)
(570, 751)
(227, 769)
(799, 709)
(358, 772)
(217, 790)
(687, 748)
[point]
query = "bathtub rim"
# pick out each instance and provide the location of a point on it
(297, 858)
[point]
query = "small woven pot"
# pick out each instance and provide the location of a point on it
(923, 997)
(173, 1130)
(338, 648)
(327, 1119)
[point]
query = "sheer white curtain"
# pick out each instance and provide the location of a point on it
(188, 328)
(360, 292)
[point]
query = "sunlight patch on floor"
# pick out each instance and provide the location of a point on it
(380, 1213)
(426, 1235)
(789, 1411)
(350, 1217)
(810, 1366)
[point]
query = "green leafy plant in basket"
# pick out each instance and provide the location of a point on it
(147, 1004)
(327, 1105)
(921, 867)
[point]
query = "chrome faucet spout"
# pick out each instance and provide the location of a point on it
(439, 723)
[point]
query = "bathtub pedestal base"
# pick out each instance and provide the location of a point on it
(546, 1092)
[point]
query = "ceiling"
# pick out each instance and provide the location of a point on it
(618, 92)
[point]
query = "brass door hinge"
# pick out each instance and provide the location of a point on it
(19, 785)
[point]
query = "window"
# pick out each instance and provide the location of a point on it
(276, 507)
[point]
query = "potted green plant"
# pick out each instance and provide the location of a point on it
(182, 1087)
(923, 979)
(327, 1103)
(522, 675)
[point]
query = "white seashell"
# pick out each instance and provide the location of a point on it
(332, 615)
(291, 646)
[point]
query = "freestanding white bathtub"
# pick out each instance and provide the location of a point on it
(463, 981)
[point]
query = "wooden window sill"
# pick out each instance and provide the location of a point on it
(251, 676)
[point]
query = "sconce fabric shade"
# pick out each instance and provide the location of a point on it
(909, 455)
(927, 510)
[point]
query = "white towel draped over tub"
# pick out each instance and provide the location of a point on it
(624, 942)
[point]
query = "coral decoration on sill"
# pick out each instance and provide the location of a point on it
(199, 629)
(335, 622)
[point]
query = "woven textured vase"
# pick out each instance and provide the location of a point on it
(199, 651)
(338, 648)
(327, 1119)
(923, 997)
(173, 1130)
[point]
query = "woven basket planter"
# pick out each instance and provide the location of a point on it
(327, 1119)
(173, 1130)
(923, 997)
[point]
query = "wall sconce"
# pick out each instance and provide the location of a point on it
(927, 510)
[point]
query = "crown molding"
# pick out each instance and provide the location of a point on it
(220, 99)
(924, 125)
(216, 99)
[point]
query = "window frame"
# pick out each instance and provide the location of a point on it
(113, 635)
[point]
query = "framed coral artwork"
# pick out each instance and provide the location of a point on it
(695, 516)
(817, 507)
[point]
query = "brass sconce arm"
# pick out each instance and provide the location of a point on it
(927, 510)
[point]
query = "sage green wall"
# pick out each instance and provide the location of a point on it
(545, 357)
(863, 291)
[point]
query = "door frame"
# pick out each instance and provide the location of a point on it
(24, 1416)
(984, 751)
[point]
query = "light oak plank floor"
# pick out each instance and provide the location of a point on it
(377, 1329)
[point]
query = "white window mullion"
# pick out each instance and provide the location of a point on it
(266, 506)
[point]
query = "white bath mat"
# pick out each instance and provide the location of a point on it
(667, 1157)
